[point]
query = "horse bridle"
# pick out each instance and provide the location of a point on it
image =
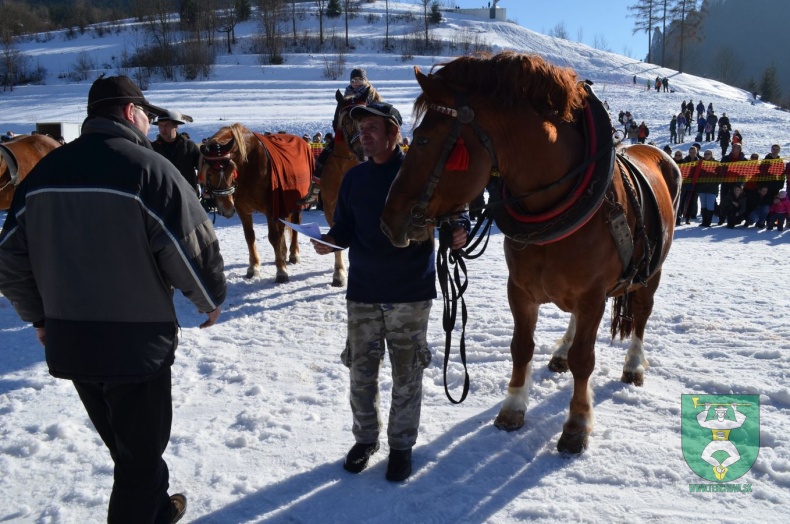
(219, 160)
(348, 137)
(465, 115)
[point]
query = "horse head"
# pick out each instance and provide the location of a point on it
(346, 131)
(223, 154)
(479, 117)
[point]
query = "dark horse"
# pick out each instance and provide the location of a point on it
(249, 172)
(582, 223)
(346, 153)
(17, 158)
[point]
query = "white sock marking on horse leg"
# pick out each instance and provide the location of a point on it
(635, 361)
(565, 342)
(517, 399)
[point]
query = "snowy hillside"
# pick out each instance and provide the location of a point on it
(261, 416)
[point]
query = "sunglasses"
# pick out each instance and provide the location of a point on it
(150, 116)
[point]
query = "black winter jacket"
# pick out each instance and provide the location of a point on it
(98, 235)
(183, 153)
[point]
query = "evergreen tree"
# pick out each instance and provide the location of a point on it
(770, 90)
(333, 9)
(436, 15)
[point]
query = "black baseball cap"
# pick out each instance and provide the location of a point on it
(115, 90)
(379, 109)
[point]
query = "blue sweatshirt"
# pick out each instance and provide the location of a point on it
(378, 271)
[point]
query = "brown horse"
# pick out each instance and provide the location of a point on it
(346, 153)
(17, 158)
(247, 172)
(582, 223)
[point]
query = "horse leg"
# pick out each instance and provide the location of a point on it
(293, 253)
(277, 240)
(581, 362)
(339, 275)
(522, 348)
(559, 358)
(254, 268)
(641, 308)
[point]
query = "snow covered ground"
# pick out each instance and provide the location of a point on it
(261, 414)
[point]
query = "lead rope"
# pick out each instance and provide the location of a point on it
(450, 265)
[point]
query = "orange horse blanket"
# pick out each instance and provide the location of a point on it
(291, 163)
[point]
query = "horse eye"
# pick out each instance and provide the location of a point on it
(421, 141)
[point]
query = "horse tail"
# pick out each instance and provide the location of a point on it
(622, 318)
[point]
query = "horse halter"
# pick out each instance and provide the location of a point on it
(464, 115)
(218, 158)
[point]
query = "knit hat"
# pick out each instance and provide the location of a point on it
(359, 72)
(118, 90)
(379, 109)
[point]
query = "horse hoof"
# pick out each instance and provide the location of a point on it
(558, 365)
(281, 278)
(509, 420)
(572, 443)
(252, 272)
(633, 377)
(294, 259)
(338, 282)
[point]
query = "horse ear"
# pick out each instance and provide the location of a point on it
(338, 96)
(429, 86)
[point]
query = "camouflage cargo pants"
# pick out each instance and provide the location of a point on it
(404, 329)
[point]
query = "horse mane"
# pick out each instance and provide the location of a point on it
(509, 79)
(238, 130)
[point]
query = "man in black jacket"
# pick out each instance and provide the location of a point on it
(97, 237)
(181, 151)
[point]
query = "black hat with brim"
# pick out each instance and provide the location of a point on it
(119, 90)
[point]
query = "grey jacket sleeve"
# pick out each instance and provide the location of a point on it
(16, 274)
(187, 251)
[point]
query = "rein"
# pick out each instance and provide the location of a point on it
(450, 265)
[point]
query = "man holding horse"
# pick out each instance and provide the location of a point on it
(98, 235)
(389, 297)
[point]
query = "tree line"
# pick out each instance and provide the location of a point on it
(181, 38)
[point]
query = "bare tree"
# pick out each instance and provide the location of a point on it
(387, 19)
(726, 66)
(643, 13)
(600, 43)
(162, 31)
(558, 31)
(346, 10)
(271, 14)
(321, 5)
(686, 18)
(580, 34)
(425, 17)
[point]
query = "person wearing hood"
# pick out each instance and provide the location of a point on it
(98, 236)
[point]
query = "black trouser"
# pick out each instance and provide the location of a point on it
(134, 422)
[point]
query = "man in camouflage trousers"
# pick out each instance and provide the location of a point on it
(389, 296)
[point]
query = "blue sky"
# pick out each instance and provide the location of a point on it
(607, 18)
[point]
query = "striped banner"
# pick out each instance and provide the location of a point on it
(747, 171)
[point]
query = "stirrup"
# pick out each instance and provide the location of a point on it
(311, 197)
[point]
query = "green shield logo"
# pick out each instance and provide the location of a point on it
(720, 434)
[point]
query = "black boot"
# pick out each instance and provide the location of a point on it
(358, 456)
(399, 465)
